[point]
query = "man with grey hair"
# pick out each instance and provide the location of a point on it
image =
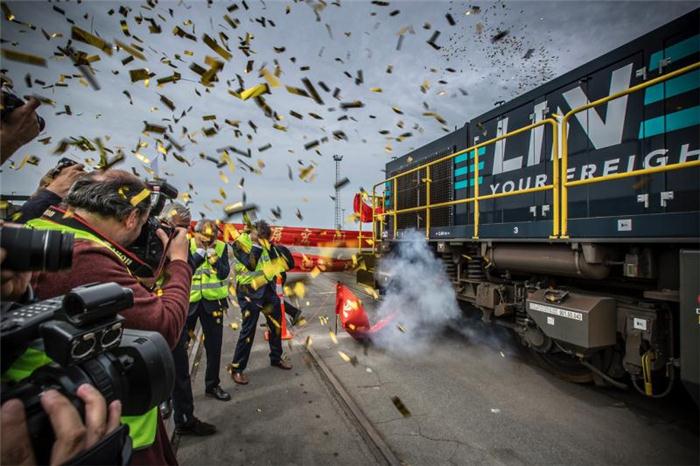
(106, 211)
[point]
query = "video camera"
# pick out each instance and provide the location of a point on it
(148, 246)
(84, 336)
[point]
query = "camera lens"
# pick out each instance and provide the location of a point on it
(83, 346)
(36, 250)
(111, 336)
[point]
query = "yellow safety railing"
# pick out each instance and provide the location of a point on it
(566, 184)
(427, 207)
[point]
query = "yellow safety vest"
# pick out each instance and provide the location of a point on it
(265, 270)
(142, 428)
(205, 283)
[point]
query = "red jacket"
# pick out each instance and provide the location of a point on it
(164, 314)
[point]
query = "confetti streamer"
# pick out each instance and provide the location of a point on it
(254, 91)
(400, 406)
(136, 200)
(83, 36)
(342, 183)
(6, 11)
(225, 54)
(130, 50)
(21, 57)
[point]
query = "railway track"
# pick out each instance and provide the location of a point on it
(373, 439)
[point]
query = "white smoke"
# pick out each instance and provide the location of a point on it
(421, 295)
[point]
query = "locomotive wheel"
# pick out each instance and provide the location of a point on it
(563, 366)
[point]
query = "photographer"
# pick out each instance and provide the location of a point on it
(106, 212)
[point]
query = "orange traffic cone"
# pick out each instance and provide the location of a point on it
(286, 334)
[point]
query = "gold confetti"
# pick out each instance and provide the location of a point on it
(130, 50)
(375, 89)
(6, 11)
(306, 172)
(254, 91)
(27, 58)
(136, 200)
(225, 54)
(139, 75)
(299, 289)
(83, 36)
(400, 406)
(271, 79)
(333, 337)
(344, 356)
(315, 272)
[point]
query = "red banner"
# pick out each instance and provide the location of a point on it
(324, 249)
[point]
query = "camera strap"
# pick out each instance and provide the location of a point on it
(73, 222)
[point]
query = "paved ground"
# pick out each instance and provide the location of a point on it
(471, 401)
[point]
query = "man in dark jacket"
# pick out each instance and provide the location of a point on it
(209, 298)
(257, 266)
(186, 423)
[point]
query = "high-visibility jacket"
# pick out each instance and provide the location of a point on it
(255, 278)
(205, 283)
(142, 428)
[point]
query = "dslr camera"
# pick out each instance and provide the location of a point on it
(148, 247)
(84, 336)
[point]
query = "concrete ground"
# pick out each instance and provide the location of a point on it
(471, 400)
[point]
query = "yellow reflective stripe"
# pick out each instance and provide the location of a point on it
(205, 282)
(28, 362)
(212, 285)
(142, 428)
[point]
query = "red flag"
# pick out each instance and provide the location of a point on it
(351, 311)
(363, 210)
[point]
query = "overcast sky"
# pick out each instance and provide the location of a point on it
(460, 80)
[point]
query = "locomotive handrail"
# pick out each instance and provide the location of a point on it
(566, 184)
(554, 186)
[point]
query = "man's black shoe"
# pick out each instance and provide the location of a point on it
(195, 427)
(218, 393)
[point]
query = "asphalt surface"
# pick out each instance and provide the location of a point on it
(474, 396)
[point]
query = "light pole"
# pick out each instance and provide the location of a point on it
(338, 225)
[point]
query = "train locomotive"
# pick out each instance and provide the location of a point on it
(571, 214)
